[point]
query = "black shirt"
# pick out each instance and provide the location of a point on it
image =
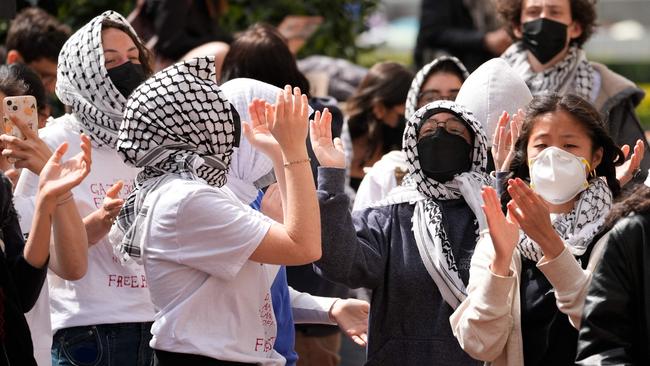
(20, 285)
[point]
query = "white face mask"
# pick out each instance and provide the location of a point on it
(558, 175)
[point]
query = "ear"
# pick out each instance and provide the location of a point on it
(379, 110)
(575, 30)
(517, 30)
(13, 57)
(596, 158)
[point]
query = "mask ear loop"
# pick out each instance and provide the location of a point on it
(592, 172)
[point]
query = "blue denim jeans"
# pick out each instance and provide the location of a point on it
(122, 344)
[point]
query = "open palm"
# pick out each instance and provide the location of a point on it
(503, 230)
(329, 153)
(258, 132)
(57, 178)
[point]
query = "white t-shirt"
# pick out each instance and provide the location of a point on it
(109, 292)
(211, 299)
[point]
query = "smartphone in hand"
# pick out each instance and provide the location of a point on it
(24, 108)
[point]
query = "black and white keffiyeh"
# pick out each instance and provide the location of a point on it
(574, 74)
(421, 77)
(430, 236)
(83, 83)
(176, 123)
(578, 227)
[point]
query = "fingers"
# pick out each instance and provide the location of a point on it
(326, 124)
(314, 129)
(514, 213)
(279, 107)
(114, 191)
(297, 101)
(247, 130)
(27, 132)
(338, 145)
(520, 192)
(86, 149)
(58, 153)
(500, 129)
(113, 205)
(361, 340)
(626, 150)
(639, 152)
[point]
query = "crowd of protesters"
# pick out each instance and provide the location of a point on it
(194, 201)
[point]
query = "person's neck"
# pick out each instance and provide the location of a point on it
(537, 66)
(562, 208)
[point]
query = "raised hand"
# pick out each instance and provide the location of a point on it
(504, 231)
(532, 214)
(627, 171)
(57, 178)
(329, 153)
(504, 139)
(290, 123)
(112, 203)
(352, 317)
(31, 152)
(258, 132)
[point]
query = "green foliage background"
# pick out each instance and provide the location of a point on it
(343, 19)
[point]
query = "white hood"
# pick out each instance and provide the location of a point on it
(493, 88)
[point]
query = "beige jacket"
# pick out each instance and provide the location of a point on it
(488, 323)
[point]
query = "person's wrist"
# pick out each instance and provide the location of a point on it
(330, 313)
(552, 246)
(46, 201)
(501, 265)
(294, 153)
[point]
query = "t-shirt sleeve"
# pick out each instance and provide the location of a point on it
(216, 235)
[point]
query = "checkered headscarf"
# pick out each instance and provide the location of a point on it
(82, 82)
(430, 236)
(176, 123)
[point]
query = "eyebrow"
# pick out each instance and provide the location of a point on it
(542, 135)
(116, 51)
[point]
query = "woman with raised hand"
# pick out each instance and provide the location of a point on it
(531, 269)
(23, 266)
(105, 317)
(204, 251)
(412, 250)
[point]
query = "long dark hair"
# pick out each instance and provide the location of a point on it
(261, 53)
(581, 111)
(387, 83)
(638, 202)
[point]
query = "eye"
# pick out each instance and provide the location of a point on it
(455, 131)
(570, 146)
(540, 146)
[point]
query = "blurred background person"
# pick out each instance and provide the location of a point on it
(467, 29)
(375, 117)
(616, 318)
(548, 54)
(35, 38)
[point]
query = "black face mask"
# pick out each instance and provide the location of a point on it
(544, 38)
(127, 77)
(443, 155)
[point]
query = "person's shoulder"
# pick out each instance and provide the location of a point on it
(615, 87)
(632, 225)
(59, 130)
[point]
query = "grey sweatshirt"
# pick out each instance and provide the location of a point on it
(375, 248)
